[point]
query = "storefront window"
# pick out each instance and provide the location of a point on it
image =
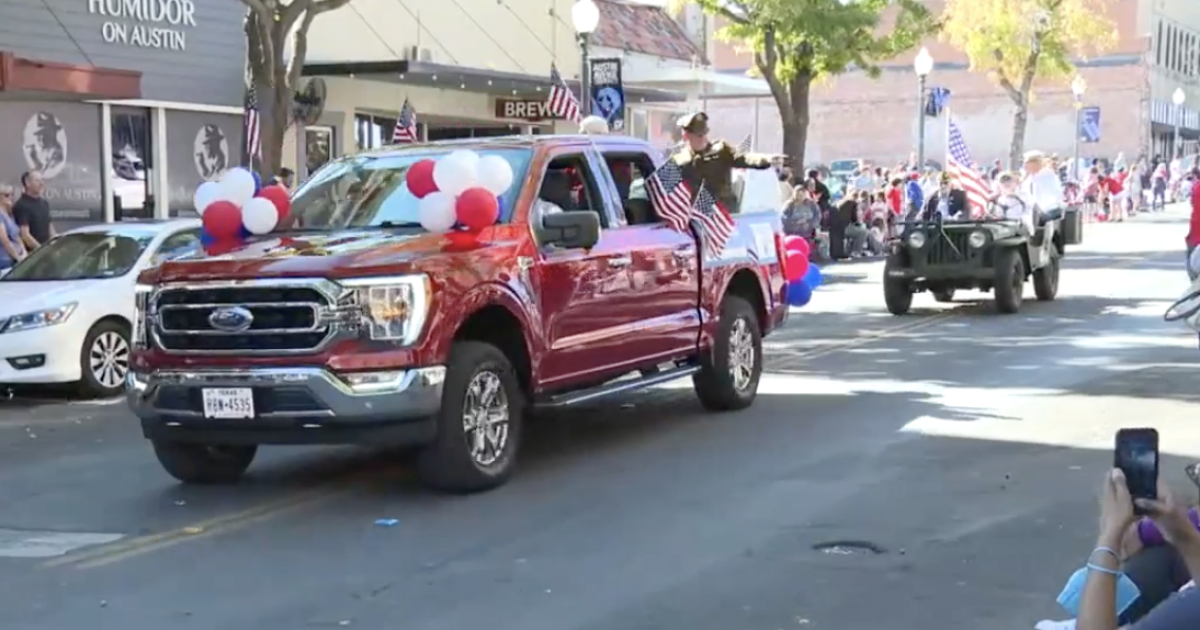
(318, 143)
(201, 146)
(59, 139)
(372, 132)
(132, 162)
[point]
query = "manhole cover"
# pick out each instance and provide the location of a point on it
(849, 548)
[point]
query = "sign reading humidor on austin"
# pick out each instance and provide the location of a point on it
(527, 109)
(145, 23)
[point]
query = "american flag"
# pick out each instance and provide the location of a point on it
(746, 144)
(562, 102)
(406, 125)
(670, 196)
(251, 127)
(717, 224)
(958, 165)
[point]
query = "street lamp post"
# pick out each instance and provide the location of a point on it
(1078, 87)
(585, 17)
(1177, 98)
(923, 65)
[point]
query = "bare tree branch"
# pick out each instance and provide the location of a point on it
(322, 6)
(264, 18)
(300, 49)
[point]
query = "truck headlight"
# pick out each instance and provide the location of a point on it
(917, 239)
(141, 300)
(38, 319)
(977, 239)
(392, 308)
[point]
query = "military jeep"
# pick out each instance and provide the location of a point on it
(988, 255)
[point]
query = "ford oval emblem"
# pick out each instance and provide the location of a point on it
(231, 319)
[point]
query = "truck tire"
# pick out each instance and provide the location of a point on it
(204, 464)
(1045, 280)
(896, 292)
(728, 377)
(1010, 280)
(480, 386)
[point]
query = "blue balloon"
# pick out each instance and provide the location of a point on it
(812, 277)
(799, 294)
(206, 238)
(244, 233)
(257, 182)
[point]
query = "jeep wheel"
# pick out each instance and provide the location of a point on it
(943, 295)
(479, 425)
(728, 378)
(1010, 280)
(204, 464)
(897, 293)
(1045, 280)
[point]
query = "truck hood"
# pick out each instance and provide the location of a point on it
(332, 255)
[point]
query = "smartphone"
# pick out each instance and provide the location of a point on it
(1136, 454)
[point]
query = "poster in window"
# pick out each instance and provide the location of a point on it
(318, 147)
(62, 140)
(201, 146)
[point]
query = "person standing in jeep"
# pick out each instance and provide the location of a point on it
(32, 212)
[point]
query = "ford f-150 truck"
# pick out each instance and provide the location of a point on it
(353, 325)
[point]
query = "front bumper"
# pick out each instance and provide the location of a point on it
(291, 406)
(43, 355)
(943, 272)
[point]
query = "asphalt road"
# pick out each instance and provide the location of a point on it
(962, 446)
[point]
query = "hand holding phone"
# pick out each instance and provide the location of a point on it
(1136, 454)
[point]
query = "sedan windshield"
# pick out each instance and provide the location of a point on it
(369, 191)
(81, 256)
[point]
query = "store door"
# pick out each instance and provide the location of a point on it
(132, 163)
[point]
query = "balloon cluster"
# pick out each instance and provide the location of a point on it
(238, 205)
(460, 189)
(803, 278)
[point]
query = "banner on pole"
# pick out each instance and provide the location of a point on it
(1089, 124)
(608, 92)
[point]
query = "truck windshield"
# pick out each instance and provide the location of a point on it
(369, 190)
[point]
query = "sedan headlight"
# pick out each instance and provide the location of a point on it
(38, 319)
(917, 239)
(392, 308)
(977, 239)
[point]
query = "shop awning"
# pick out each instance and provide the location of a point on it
(704, 83)
(479, 80)
(48, 79)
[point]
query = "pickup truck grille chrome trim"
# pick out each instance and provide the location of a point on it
(285, 316)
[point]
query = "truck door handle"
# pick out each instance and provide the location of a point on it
(620, 261)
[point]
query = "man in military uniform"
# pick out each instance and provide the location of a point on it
(711, 162)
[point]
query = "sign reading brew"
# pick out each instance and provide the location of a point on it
(524, 109)
(145, 23)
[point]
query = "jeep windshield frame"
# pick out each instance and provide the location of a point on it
(368, 189)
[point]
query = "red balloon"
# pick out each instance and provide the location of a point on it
(222, 220)
(795, 243)
(279, 196)
(221, 247)
(462, 238)
(420, 178)
(797, 265)
(477, 208)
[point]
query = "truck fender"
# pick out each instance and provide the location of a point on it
(727, 276)
(1012, 241)
(478, 298)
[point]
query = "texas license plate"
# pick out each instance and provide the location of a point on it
(229, 403)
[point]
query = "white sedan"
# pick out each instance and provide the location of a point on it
(66, 310)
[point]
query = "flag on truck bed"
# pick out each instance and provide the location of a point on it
(406, 125)
(717, 225)
(670, 196)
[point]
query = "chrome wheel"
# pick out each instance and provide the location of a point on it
(741, 355)
(485, 418)
(108, 359)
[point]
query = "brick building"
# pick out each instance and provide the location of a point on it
(854, 116)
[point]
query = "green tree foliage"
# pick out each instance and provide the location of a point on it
(274, 71)
(1020, 41)
(799, 42)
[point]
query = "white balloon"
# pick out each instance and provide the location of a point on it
(456, 172)
(436, 211)
(206, 193)
(237, 185)
(495, 174)
(259, 215)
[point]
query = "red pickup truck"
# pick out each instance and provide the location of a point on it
(356, 326)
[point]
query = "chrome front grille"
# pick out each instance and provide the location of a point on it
(284, 316)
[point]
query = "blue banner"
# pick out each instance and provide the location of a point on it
(608, 92)
(1089, 124)
(936, 100)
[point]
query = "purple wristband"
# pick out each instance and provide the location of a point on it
(1150, 535)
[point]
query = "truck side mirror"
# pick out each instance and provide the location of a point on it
(577, 229)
